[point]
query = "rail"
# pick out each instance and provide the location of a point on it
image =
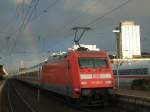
(11, 108)
(120, 102)
(10, 102)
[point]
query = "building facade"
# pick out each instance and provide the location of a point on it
(128, 40)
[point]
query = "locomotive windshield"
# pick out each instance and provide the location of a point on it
(92, 62)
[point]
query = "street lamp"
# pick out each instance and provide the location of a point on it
(119, 63)
(116, 31)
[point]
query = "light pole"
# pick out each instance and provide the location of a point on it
(118, 64)
(117, 31)
(39, 77)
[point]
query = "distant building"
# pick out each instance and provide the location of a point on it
(128, 40)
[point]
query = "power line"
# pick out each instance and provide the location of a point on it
(108, 13)
(29, 17)
(92, 22)
(29, 14)
(79, 16)
(55, 2)
(46, 10)
(25, 21)
(25, 15)
(99, 18)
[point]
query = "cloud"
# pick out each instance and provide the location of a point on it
(71, 3)
(20, 2)
(90, 7)
(54, 26)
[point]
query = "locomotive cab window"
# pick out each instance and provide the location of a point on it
(92, 62)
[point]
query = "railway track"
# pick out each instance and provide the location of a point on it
(61, 102)
(16, 101)
(82, 108)
(42, 106)
(132, 103)
(78, 107)
(49, 101)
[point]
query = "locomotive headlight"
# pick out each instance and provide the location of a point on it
(86, 76)
(108, 82)
(83, 82)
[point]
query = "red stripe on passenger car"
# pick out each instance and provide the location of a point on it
(133, 76)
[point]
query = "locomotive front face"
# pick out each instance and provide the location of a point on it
(95, 71)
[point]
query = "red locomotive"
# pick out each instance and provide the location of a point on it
(77, 74)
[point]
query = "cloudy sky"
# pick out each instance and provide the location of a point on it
(31, 29)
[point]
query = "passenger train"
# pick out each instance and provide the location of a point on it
(130, 72)
(79, 75)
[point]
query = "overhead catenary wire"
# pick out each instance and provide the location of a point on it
(25, 21)
(45, 10)
(108, 13)
(93, 21)
(22, 24)
(10, 35)
(30, 15)
(27, 18)
(79, 16)
(90, 23)
(98, 18)
(25, 15)
(105, 14)
(74, 19)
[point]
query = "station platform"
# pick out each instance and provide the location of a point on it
(134, 93)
